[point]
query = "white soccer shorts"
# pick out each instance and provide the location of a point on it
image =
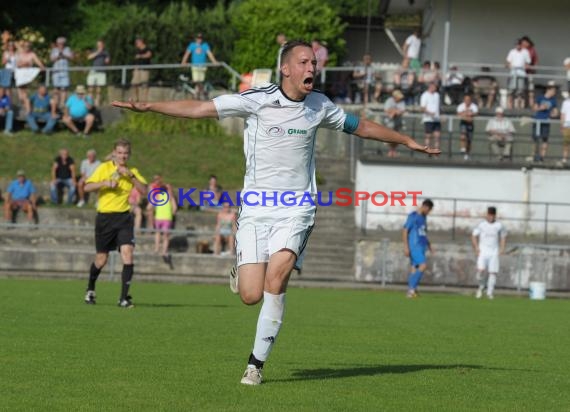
(489, 263)
(260, 237)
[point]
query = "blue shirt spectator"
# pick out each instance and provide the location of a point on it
(416, 224)
(40, 104)
(545, 105)
(79, 105)
(198, 52)
(6, 111)
(21, 188)
(42, 108)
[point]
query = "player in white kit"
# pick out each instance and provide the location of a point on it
(275, 222)
(489, 239)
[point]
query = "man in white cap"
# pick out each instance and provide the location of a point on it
(77, 112)
(500, 131)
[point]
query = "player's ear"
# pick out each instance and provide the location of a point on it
(285, 70)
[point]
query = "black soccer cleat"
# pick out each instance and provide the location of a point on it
(126, 303)
(90, 297)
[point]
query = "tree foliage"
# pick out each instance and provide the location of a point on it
(168, 33)
(257, 23)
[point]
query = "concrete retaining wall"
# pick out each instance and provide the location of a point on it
(455, 265)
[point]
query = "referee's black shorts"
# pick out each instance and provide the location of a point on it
(112, 230)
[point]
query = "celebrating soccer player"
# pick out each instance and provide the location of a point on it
(281, 125)
(416, 243)
(114, 224)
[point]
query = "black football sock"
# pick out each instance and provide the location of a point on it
(94, 272)
(126, 277)
(255, 362)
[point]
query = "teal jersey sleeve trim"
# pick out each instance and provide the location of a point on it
(350, 123)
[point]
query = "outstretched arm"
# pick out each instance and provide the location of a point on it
(371, 130)
(193, 109)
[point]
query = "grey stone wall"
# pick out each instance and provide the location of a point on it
(455, 265)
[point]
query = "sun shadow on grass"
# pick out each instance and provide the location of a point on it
(354, 371)
(180, 305)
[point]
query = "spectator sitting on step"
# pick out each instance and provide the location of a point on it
(454, 86)
(368, 82)
(500, 131)
(485, 88)
(21, 194)
(87, 168)
(135, 201)
(216, 190)
(429, 74)
(41, 106)
(404, 80)
(77, 110)
(6, 112)
(63, 176)
(226, 222)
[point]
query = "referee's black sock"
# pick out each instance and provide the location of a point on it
(93, 275)
(126, 277)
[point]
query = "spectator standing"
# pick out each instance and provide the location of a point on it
(6, 112)
(143, 56)
(63, 176)
(9, 57)
(545, 107)
(21, 194)
(226, 221)
(411, 49)
(394, 108)
(77, 112)
(164, 211)
(430, 103)
(97, 78)
(500, 131)
(565, 126)
(60, 56)
(199, 52)
(528, 44)
(86, 169)
(25, 72)
(518, 61)
(466, 111)
(41, 107)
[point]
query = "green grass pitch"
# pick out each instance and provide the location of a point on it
(184, 347)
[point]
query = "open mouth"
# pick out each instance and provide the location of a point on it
(308, 81)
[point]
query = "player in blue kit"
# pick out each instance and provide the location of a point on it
(415, 244)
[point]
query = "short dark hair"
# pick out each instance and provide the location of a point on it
(213, 176)
(428, 203)
(492, 210)
(290, 45)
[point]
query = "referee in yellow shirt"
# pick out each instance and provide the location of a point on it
(114, 224)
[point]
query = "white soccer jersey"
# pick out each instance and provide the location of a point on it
(279, 136)
(489, 235)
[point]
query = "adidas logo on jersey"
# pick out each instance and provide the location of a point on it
(276, 103)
